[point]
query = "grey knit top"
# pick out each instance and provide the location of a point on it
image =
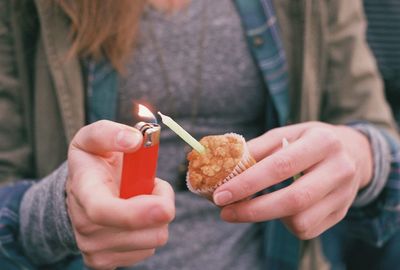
(230, 98)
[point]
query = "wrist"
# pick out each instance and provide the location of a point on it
(366, 163)
(370, 189)
(359, 147)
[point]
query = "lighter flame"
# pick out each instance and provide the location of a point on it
(144, 112)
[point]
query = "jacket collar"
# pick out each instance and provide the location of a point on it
(66, 73)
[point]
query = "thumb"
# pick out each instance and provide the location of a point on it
(106, 136)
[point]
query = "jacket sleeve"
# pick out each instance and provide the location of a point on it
(379, 221)
(46, 231)
(44, 226)
(11, 256)
(355, 93)
(15, 151)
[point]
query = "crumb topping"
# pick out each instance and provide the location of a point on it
(222, 154)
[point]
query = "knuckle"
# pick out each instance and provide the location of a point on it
(99, 126)
(170, 213)
(84, 228)
(97, 130)
(299, 200)
(85, 247)
(81, 226)
(162, 237)
(169, 210)
(275, 134)
(308, 235)
(348, 196)
(94, 213)
(346, 168)
(79, 137)
(338, 215)
(92, 132)
(69, 188)
(149, 253)
(283, 165)
(95, 261)
(245, 187)
(300, 225)
(144, 254)
(327, 137)
(166, 212)
(253, 215)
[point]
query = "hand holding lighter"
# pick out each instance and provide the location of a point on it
(139, 168)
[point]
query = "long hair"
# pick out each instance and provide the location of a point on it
(103, 28)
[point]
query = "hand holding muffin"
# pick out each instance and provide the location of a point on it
(336, 161)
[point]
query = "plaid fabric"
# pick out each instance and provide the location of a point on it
(369, 238)
(11, 255)
(101, 103)
(380, 220)
(262, 31)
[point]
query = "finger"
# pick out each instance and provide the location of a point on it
(105, 209)
(307, 191)
(123, 241)
(106, 136)
(80, 222)
(313, 221)
(271, 141)
(112, 260)
(163, 188)
(299, 156)
(328, 222)
(93, 178)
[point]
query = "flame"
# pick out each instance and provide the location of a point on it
(144, 112)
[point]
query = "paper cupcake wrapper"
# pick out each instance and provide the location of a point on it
(246, 162)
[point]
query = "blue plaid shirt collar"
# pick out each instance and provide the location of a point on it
(262, 31)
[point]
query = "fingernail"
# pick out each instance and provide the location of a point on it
(222, 198)
(229, 215)
(128, 138)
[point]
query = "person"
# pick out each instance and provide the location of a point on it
(70, 71)
(383, 29)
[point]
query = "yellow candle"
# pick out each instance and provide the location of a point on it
(285, 144)
(175, 127)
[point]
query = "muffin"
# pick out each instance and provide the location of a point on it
(225, 157)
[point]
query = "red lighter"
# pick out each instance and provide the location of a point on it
(139, 168)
